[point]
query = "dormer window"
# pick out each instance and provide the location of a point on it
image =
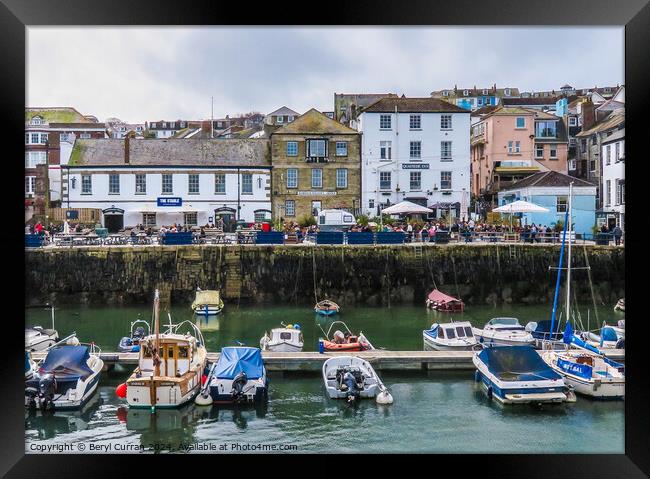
(507, 92)
(485, 92)
(465, 92)
(152, 125)
(445, 93)
(182, 124)
(138, 128)
(37, 120)
(164, 125)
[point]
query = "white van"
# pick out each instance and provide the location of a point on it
(335, 220)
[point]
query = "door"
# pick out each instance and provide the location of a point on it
(611, 222)
(113, 223)
(228, 221)
(316, 206)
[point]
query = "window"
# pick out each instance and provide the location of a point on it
(30, 184)
(608, 192)
(43, 138)
(572, 142)
(485, 92)
(384, 180)
(247, 184)
(384, 122)
(460, 331)
(572, 164)
(385, 150)
(539, 152)
(140, 184)
(583, 144)
(416, 149)
(85, 136)
(260, 216)
(620, 192)
(617, 152)
(445, 122)
(280, 119)
(341, 148)
(545, 129)
(292, 148)
(219, 183)
(37, 120)
(316, 206)
(553, 152)
(517, 147)
(445, 180)
(290, 118)
(521, 122)
(113, 184)
(86, 185)
(441, 333)
(416, 181)
(193, 184)
(479, 101)
(592, 166)
(34, 158)
(445, 150)
(342, 178)
(573, 121)
(507, 92)
(445, 93)
(167, 184)
(415, 122)
(292, 178)
(510, 150)
(35, 138)
(465, 92)
(561, 204)
(148, 219)
(450, 333)
(182, 124)
(316, 178)
(608, 154)
(164, 125)
(317, 148)
(371, 203)
(152, 125)
(190, 219)
(290, 207)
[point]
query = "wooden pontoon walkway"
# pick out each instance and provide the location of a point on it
(380, 359)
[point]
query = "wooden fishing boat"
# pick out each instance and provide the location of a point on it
(344, 341)
(326, 307)
(207, 302)
(442, 302)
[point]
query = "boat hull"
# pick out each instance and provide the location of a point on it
(166, 396)
(527, 395)
(284, 348)
(326, 312)
(352, 347)
(431, 344)
(256, 392)
(87, 389)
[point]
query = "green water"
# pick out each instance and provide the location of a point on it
(438, 411)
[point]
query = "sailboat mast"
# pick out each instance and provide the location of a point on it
(156, 358)
(568, 269)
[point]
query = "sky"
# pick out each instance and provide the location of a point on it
(170, 73)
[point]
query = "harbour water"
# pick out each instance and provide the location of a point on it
(439, 411)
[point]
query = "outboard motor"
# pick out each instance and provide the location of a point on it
(46, 390)
(620, 344)
(350, 379)
(238, 384)
(139, 333)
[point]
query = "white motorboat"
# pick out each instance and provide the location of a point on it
(66, 378)
(456, 336)
(207, 302)
(38, 338)
(239, 376)
(503, 332)
(287, 339)
(607, 339)
(170, 366)
(518, 375)
(131, 343)
(351, 378)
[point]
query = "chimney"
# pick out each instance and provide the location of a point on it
(588, 115)
(127, 139)
(205, 126)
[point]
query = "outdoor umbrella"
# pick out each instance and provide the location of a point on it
(520, 206)
(402, 208)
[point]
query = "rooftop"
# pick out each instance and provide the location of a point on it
(548, 179)
(315, 122)
(613, 120)
(284, 111)
(63, 114)
(402, 104)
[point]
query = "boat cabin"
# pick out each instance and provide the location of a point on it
(507, 324)
(287, 335)
(455, 330)
(176, 353)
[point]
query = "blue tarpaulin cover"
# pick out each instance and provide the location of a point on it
(608, 334)
(234, 360)
(516, 363)
(67, 362)
(543, 329)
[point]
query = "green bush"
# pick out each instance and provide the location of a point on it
(363, 220)
(307, 220)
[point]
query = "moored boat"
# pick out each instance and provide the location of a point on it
(456, 336)
(351, 378)
(131, 343)
(38, 338)
(518, 375)
(287, 339)
(443, 302)
(344, 341)
(207, 302)
(327, 308)
(620, 305)
(503, 332)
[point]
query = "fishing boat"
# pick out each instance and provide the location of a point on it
(131, 343)
(455, 336)
(351, 378)
(38, 338)
(207, 302)
(518, 375)
(620, 305)
(344, 341)
(326, 308)
(238, 377)
(586, 369)
(503, 332)
(66, 378)
(287, 339)
(442, 302)
(170, 366)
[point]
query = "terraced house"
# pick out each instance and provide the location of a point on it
(316, 165)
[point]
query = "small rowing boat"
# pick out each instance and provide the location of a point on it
(344, 341)
(326, 307)
(207, 302)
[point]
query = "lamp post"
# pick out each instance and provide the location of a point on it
(47, 183)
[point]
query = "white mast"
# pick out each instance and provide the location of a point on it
(568, 270)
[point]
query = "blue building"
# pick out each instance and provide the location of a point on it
(550, 190)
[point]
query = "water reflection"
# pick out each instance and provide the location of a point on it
(164, 429)
(48, 425)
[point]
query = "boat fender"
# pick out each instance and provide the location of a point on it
(73, 341)
(489, 392)
(120, 391)
(296, 326)
(135, 349)
(204, 378)
(321, 346)
(571, 396)
(384, 397)
(203, 400)
(477, 376)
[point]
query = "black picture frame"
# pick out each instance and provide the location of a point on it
(633, 14)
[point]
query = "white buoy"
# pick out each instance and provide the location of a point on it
(202, 400)
(384, 397)
(73, 341)
(571, 396)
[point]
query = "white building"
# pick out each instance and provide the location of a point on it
(415, 149)
(161, 182)
(166, 129)
(613, 182)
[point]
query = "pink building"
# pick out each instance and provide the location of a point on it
(508, 144)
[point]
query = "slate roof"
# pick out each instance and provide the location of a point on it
(173, 152)
(56, 115)
(420, 105)
(315, 122)
(548, 178)
(529, 101)
(284, 111)
(614, 119)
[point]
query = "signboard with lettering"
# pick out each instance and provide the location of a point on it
(415, 166)
(170, 201)
(317, 193)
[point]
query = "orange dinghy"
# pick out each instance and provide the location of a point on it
(442, 302)
(347, 341)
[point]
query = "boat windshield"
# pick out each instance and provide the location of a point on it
(505, 321)
(285, 336)
(468, 332)
(460, 331)
(450, 333)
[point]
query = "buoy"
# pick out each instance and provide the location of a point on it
(296, 326)
(384, 397)
(120, 391)
(204, 378)
(202, 400)
(571, 396)
(135, 349)
(73, 341)
(121, 414)
(289, 326)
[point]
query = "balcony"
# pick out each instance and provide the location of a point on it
(317, 159)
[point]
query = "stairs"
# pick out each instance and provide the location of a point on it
(233, 285)
(417, 250)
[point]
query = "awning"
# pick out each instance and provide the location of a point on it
(405, 207)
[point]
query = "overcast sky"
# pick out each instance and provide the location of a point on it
(143, 74)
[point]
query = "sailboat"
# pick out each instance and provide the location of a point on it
(585, 368)
(170, 366)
